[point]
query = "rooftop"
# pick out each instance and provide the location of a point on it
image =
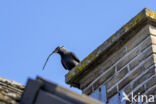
(94, 58)
(41, 91)
(10, 91)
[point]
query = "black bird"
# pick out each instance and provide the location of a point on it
(68, 59)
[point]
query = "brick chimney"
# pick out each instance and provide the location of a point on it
(123, 63)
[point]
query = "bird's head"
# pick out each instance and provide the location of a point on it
(58, 49)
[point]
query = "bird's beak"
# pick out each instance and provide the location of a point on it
(47, 60)
(55, 51)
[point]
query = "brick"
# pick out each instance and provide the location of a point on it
(114, 57)
(140, 90)
(146, 43)
(152, 30)
(87, 91)
(104, 78)
(141, 58)
(112, 92)
(117, 77)
(135, 41)
(137, 72)
(148, 62)
(102, 67)
(128, 89)
(127, 59)
(151, 82)
(138, 38)
(100, 81)
(151, 91)
(144, 77)
(153, 39)
(154, 48)
(130, 77)
(154, 58)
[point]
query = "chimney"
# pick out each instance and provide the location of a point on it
(123, 63)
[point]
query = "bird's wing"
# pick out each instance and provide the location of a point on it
(64, 65)
(75, 57)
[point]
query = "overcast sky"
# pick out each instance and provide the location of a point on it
(31, 29)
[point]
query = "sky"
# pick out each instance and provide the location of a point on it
(31, 29)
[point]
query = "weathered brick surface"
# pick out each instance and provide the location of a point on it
(154, 48)
(137, 52)
(128, 66)
(105, 77)
(151, 91)
(151, 82)
(114, 58)
(152, 30)
(137, 39)
(117, 77)
(128, 89)
(144, 77)
(87, 92)
(148, 62)
(142, 37)
(147, 42)
(136, 72)
(102, 67)
(133, 47)
(140, 90)
(137, 92)
(144, 59)
(130, 77)
(111, 92)
(100, 81)
(127, 59)
(153, 39)
(141, 57)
